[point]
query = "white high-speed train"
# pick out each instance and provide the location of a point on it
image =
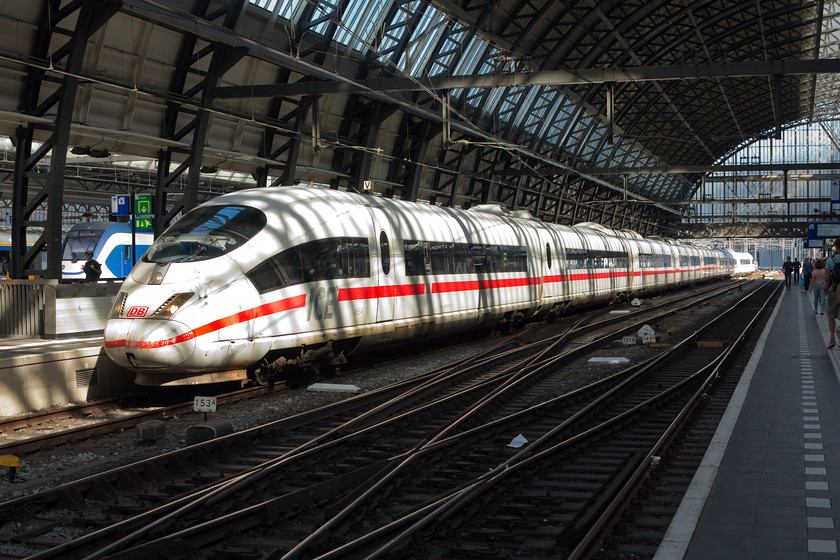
(744, 264)
(293, 278)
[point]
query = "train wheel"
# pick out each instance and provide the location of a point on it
(328, 371)
(297, 376)
(262, 374)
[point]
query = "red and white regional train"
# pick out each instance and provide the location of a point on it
(293, 278)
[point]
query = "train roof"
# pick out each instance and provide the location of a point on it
(92, 226)
(314, 206)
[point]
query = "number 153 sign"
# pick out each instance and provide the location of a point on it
(204, 404)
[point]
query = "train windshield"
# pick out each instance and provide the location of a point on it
(206, 233)
(80, 241)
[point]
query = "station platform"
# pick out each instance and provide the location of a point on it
(769, 485)
(37, 373)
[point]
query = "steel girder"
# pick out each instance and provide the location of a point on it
(449, 170)
(368, 116)
(609, 34)
(770, 229)
(209, 61)
(411, 148)
(315, 50)
(89, 17)
(359, 131)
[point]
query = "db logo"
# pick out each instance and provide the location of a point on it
(137, 311)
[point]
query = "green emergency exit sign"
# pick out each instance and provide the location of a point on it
(143, 205)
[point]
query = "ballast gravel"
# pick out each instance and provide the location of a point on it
(69, 462)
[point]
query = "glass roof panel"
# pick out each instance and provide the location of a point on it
(322, 12)
(594, 141)
(360, 21)
(561, 121)
(531, 94)
(415, 58)
(487, 66)
(508, 101)
(468, 61)
(451, 47)
(805, 143)
(396, 28)
(826, 100)
(536, 110)
(285, 8)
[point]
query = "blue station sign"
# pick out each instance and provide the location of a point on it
(823, 230)
(120, 205)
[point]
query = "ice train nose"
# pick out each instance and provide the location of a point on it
(139, 343)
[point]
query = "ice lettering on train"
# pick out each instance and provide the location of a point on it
(322, 303)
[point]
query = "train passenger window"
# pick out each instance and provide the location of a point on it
(441, 256)
(79, 241)
(654, 261)
(500, 258)
(206, 232)
(437, 257)
(413, 252)
(384, 253)
(548, 255)
(479, 258)
(515, 258)
(463, 259)
(576, 258)
(323, 259)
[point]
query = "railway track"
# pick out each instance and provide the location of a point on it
(557, 496)
(116, 415)
(99, 418)
(357, 447)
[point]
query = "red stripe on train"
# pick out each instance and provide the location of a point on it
(241, 317)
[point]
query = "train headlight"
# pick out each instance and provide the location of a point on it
(171, 305)
(119, 303)
(158, 272)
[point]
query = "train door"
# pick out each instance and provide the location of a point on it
(536, 238)
(382, 268)
(634, 271)
(616, 263)
(551, 286)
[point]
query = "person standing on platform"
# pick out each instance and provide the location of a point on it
(796, 266)
(4, 267)
(831, 292)
(787, 268)
(807, 272)
(92, 268)
(819, 277)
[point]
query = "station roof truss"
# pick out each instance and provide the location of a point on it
(612, 112)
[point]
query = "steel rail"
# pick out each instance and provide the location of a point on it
(366, 419)
(382, 481)
(236, 484)
(450, 503)
(586, 546)
(251, 511)
(417, 385)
